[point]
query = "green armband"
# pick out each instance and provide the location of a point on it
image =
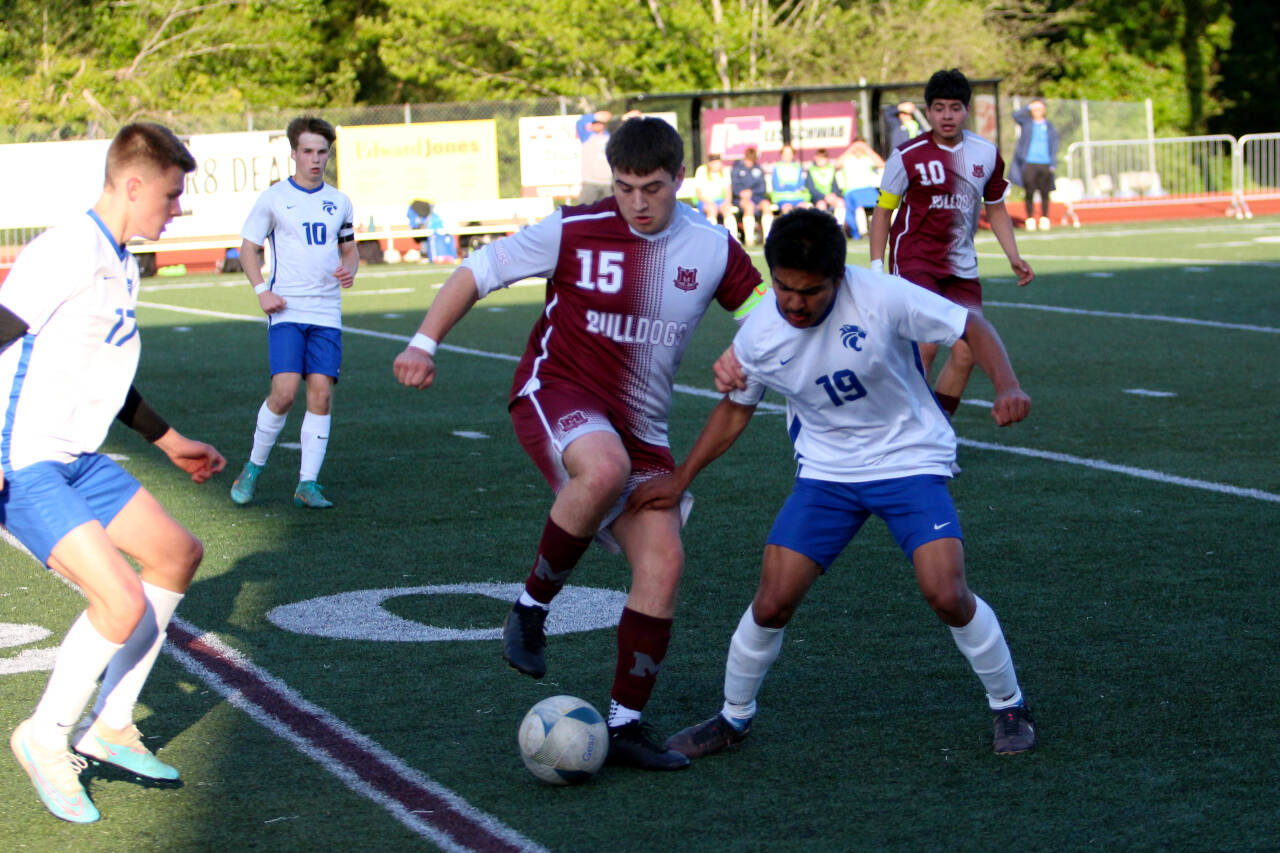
(751, 301)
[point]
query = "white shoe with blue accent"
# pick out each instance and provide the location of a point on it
(55, 773)
(120, 747)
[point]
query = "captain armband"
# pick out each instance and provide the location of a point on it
(141, 418)
(751, 302)
(888, 200)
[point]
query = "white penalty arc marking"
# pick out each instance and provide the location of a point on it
(423, 805)
(360, 615)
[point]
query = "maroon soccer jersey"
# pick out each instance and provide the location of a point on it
(940, 191)
(620, 306)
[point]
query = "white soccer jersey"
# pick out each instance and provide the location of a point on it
(305, 228)
(858, 404)
(67, 377)
(621, 306)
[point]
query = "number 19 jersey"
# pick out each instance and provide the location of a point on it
(859, 407)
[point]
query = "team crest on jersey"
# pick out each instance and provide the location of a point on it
(686, 279)
(573, 420)
(852, 337)
(979, 170)
(329, 207)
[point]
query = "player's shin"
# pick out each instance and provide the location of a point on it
(558, 552)
(642, 646)
(83, 655)
(752, 650)
(982, 642)
(131, 665)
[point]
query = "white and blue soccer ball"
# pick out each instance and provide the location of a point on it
(563, 740)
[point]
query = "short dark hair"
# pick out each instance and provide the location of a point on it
(146, 143)
(807, 240)
(950, 85)
(309, 124)
(643, 145)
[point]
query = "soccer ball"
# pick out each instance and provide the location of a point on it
(563, 740)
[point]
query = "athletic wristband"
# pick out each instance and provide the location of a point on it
(424, 342)
(261, 287)
(877, 266)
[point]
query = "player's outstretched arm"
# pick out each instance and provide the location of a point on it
(251, 263)
(1002, 227)
(416, 366)
(197, 458)
(1012, 403)
(726, 422)
(879, 236)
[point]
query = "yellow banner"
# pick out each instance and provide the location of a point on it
(393, 164)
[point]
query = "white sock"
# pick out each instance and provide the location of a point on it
(752, 651)
(129, 668)
(527, 600)
(749, 228)
(81, 658)
(766, 222)
(315, 441)
(982, 642)
(620, 715)
(265, 433)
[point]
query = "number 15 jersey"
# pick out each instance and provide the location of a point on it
(859, 406)
(620, 306)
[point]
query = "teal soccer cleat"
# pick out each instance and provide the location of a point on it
(310, 494)
(242, 489)
(120, 747)
(55, 773)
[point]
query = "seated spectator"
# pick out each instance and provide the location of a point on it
(748, 187)
(787, 182)
(712, 186)
(860, 168)
(823, 183)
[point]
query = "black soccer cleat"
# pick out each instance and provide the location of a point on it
(523, 640)
(633, 745)
(1015, 731)
(708, 737)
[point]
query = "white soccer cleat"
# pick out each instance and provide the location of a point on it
(120, 747)
(55, 773)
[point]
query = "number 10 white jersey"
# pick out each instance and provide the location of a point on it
(859, 406)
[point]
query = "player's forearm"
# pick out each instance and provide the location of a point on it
(879, 235)
(726, 422)
(451, 304)
(251, 262)
(989, 353)
(349, 256)
(141, 418)
(1002, 227)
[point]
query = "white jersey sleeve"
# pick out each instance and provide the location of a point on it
(532, 251)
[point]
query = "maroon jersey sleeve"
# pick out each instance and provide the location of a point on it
(740, 278)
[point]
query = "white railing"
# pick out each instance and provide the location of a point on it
(1257, 168)
(1148, 172)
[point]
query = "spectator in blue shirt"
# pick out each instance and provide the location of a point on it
(1035, 159)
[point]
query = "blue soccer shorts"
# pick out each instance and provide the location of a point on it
(43, 502)
(820, 518)
(304, 348)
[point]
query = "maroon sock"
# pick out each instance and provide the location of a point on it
(642, 645)
(558, 553)
(948, 403)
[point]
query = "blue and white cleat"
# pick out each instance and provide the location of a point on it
(243, 487)
(55, 773)
(310, 494)
(121, 748)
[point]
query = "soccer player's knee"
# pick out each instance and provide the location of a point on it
(950, 601)
(607, 474)
(772, 612)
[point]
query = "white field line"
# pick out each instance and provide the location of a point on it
(1161, 318)
(1097, 464)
